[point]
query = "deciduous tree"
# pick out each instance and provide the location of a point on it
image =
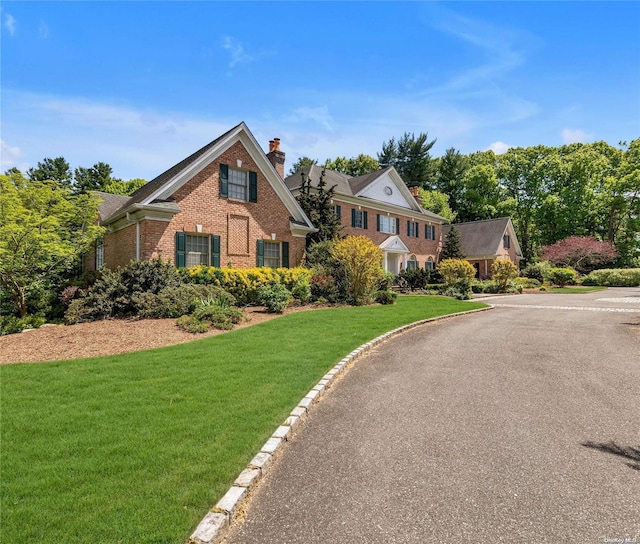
(584, 253)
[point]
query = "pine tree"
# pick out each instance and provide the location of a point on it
(452, 248)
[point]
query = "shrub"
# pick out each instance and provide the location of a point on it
(386, 281)
(218, 315)
(503, 272)
(416, 278)
(457, 272)
(562, 276)
(190, 324)
(527, 283)
(457, 292)
(536, 271)
(614, 277)
(362, 262)
(177, 301)
(275, 297)
(386, 297)
(495, 287)
(11, 324)
(324, 287)
(583, 253)
(244, 283)
(477, 287)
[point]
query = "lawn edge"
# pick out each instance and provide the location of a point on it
(215, 525)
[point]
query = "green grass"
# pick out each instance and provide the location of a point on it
(584, 289)
(138, 447)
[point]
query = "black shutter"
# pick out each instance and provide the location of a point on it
(426, 232)
(365, 220)
(253, 187)
(215, 251)
(408, 228)
(397, 225)
(378, 222)
(260, 252)
(285, 254)
(224, 180)
(353, 217)
(339, 212)
(181, 249)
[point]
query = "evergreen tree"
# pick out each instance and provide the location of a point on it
(94, 178)
(452, 248)
(301, 163)
(57, 170)
(316, 203)
(410, 157)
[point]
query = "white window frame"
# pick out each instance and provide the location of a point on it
(238, 184)
(388, 224)
(358, 219)
(431, 232)
(193, 257)
(270, 249)
(412, 263)
(429, 264)
(506, 241)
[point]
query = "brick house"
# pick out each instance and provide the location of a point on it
(380, 206)
(224, 205)
(483, 242)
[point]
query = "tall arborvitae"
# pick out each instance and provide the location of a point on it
(452, 248)
(316, 203)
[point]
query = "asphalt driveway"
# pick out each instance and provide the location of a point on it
(521, 424)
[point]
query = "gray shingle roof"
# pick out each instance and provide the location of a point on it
(157, 182)
(110, 203)
(479, 238)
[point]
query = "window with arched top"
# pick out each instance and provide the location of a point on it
(412, 263)
(429, 265)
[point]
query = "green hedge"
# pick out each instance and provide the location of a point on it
(614, 277)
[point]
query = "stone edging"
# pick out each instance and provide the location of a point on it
(213, 527)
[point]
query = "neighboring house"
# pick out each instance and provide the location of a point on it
(224, 205)
(380, 206)
(483, 242)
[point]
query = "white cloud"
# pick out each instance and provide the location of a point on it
(10, 157)
(573, 136)
(10, 24)
(499, 147)
(319, 115)
(236, 49)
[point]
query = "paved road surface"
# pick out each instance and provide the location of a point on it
(521, 424)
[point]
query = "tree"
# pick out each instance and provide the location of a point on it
(457, 273)
(362, 262)
(410, 157)
(355, 166)
(124, 188)
(301, 163)
(317, 204)
(451, 248)
(451, 169)
(94, 178)
(57, 169)
(438, 203)
(44, 230)
(480, 194)
(584, 253)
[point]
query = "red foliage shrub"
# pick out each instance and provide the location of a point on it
(584, 253)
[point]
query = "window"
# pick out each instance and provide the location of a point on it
(412, 263)
(197, 250)
(359, 219)
(272, 254)
(387, 224)
(238, 184)
(338, 211)
(412, 229)
(429, 264)
(506, 241)
(430, 232)
(99, 253)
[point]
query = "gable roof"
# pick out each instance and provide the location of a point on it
(483, 238)
(354, 187)
(159, 189)
(109, 203)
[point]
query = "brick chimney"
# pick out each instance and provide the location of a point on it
(276, 157)
(416, 195)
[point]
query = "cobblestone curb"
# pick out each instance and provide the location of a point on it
(213, 527)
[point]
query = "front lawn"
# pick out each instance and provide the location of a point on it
(138, 447)
(574, 289)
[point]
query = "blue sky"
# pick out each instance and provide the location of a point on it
(141, 85)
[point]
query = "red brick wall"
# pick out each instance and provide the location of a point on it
(420, 247)
(200, 204)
